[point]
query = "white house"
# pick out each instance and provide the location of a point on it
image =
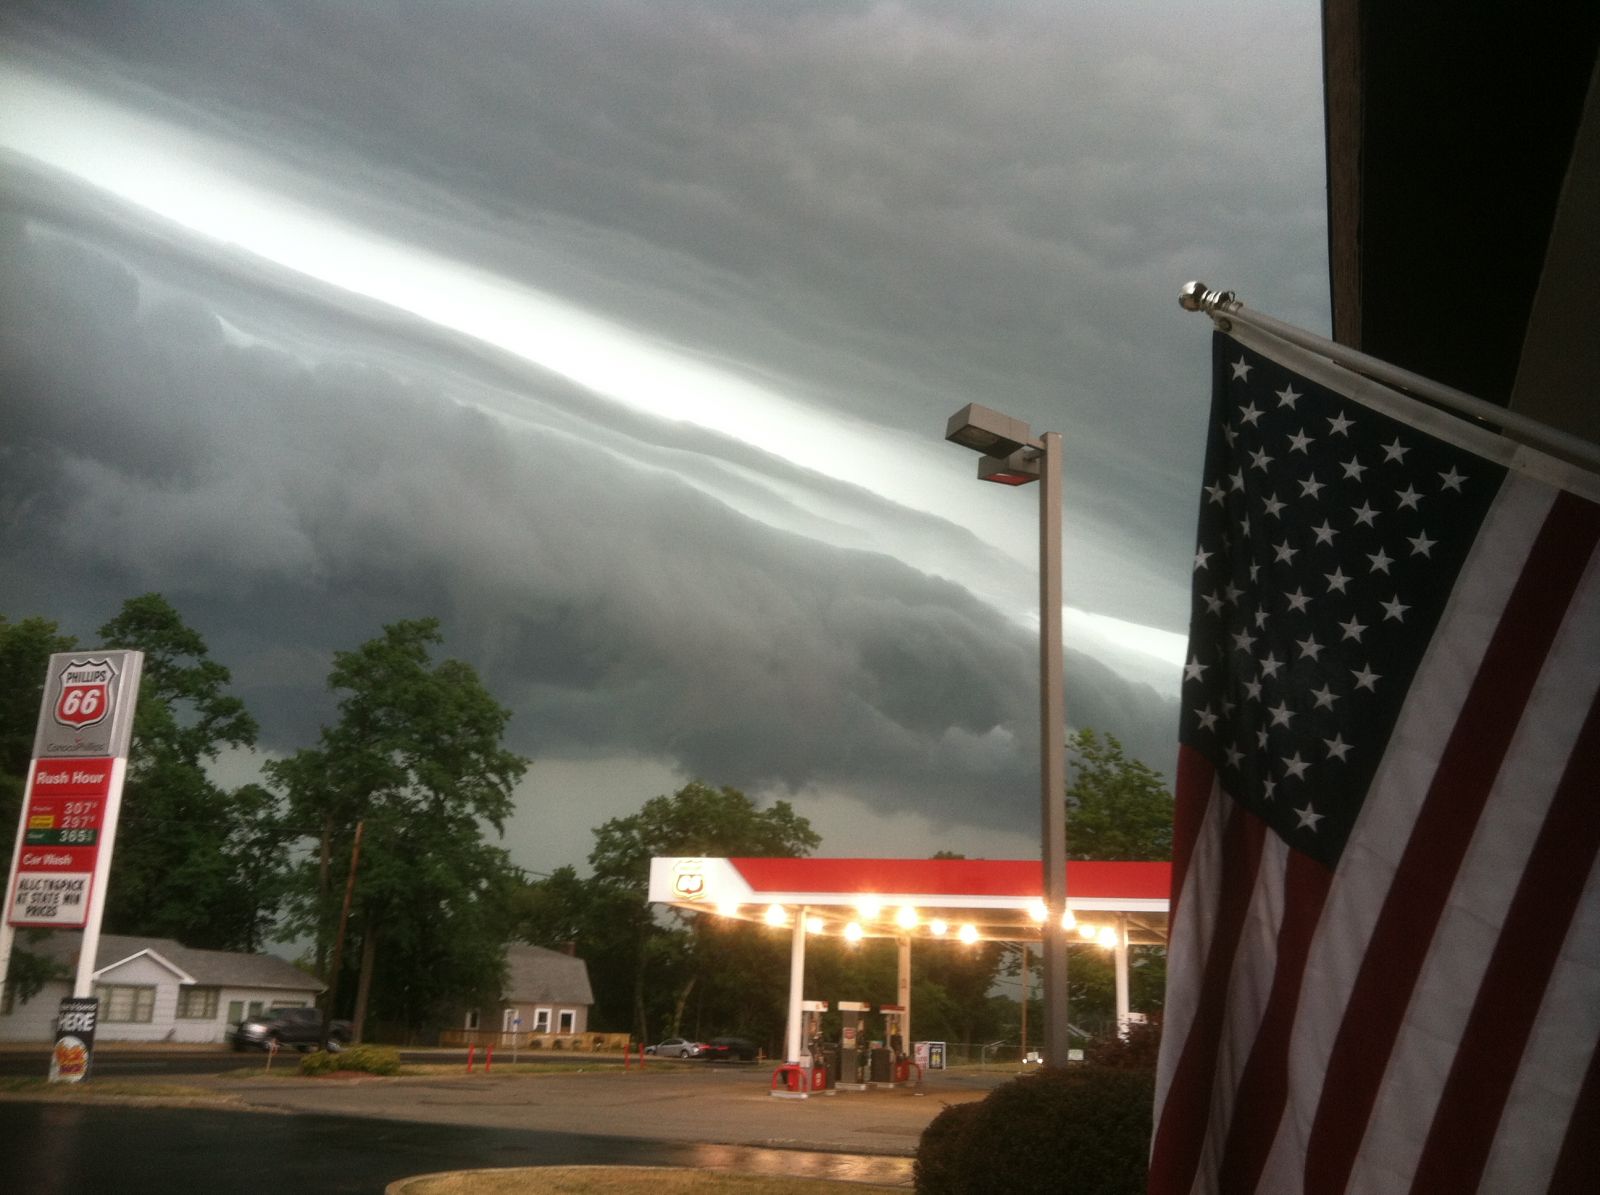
(153, 989)
(546, 998)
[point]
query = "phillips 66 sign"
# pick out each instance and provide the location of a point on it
(87, 693)
(88, 705)
(74, 789)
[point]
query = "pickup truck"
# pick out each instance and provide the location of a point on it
(300, 1028)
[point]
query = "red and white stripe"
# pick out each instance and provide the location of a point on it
(1364, 1031)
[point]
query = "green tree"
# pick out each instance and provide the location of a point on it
(663, 961)
(552, 910)
(192, 861)
(416, 759)
(1117, 808)
(25, 651)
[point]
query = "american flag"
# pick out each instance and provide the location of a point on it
(1384, 969)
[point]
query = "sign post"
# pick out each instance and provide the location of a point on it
(70, 805)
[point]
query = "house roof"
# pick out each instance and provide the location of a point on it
(540, 976)
(205, 968)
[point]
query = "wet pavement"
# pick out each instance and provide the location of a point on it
(47, 1149)
(260, 1134)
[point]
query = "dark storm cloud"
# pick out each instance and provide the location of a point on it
(290, 503)
(959, 201)
(878, 211)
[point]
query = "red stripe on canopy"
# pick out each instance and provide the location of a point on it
(1022, 878)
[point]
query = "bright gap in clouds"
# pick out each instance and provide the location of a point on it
(163, 170)
(167, 170)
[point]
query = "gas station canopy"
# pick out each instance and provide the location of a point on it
(923, 899)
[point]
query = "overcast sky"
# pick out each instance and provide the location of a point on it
(621, 337)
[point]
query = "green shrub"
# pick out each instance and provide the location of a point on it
(1083, 1130)
(939, 1151)
(1136, 1052)
(371, 1060)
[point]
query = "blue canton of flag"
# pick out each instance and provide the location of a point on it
(1329, 538)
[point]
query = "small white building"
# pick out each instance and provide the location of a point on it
(547, 998)
(154, 989)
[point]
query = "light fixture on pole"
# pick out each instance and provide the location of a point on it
(1012, 455)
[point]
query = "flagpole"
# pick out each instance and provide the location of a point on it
(1223, 306)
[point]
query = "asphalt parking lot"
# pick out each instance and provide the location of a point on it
(719, 1105)
(307, 1134)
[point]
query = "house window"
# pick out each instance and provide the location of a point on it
(235, 1011)
(472, 1019)
(569, 1021)
(541, 1020)
(197, 1004)
(126, 1002)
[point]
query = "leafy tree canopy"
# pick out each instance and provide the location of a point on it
(25, 651)
(184, 712)
(192, 861)
(417, 759)
(696, 820)
(1117, 808)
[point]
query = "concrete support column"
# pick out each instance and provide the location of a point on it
(1121, 953)
(903, 986)
(797, 981)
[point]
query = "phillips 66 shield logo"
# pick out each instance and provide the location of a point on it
(689, 879)
(86, 693)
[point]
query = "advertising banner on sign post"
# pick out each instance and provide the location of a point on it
(70, 803)
(75, 1022)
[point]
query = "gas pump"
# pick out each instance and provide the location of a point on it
(854, 1047)
(894, 1036)
(816, 1051)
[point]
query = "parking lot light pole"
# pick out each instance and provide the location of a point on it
(1011, 455)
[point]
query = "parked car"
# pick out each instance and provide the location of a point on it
(676, 1047)
(734, 1048)
(300, 1028)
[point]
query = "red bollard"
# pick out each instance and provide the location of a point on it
(471, 1051)
(488, 1058)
